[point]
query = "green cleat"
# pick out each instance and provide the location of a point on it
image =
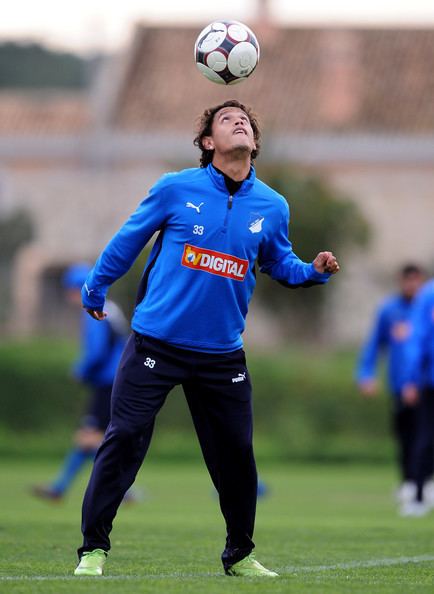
(249, 567)
(91, 563)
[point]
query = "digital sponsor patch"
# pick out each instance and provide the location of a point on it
(199, 258)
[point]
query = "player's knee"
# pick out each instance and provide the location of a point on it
(123, 433)
(240, 446)
(88, 438)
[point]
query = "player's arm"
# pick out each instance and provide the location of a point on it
(95, 347)
(123, 249)
(277, 259)
(415, 345)
(377, 341)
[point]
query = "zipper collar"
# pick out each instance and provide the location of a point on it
(219, 180)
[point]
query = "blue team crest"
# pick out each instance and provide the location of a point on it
(255, 222)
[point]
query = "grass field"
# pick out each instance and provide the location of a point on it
(326, 529)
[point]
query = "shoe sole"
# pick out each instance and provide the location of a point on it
(253, 575)
(89, 572)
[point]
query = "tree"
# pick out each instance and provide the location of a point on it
(32, 66)
(321, 219)
(16, 229)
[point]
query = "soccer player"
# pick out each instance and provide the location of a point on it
(214, 224)
(101, 348)
(419, 387)
(388, 336)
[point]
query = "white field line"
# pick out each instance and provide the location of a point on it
(359, 564)
(291, 569)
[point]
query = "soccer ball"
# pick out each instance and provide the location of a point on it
(226, 52)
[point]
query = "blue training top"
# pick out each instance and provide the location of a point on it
(389, 334)
(102, 344)
(200, 274)
(419, 364)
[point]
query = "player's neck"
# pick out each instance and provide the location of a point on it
(238, 170)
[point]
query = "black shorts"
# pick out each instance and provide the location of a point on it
(98, 412)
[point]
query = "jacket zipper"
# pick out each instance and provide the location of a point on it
(229, 207)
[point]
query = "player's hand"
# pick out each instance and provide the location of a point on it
(410, 395)
(368, 388)
(96, 314)
(326, 262)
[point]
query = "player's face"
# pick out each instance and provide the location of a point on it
(411, 283)
(231, 131)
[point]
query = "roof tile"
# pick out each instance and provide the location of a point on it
(308, 80)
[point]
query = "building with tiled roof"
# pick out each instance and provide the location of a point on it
(43, 113)
(354, 105)
(308, 81)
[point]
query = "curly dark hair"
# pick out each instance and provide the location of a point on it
(205, 129)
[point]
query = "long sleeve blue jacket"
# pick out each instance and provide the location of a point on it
(389, 334)
(419, 363)
(200, 274)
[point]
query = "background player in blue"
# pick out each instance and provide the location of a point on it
(419, 386)
(101, 346)
(388, 336)
(214, 224)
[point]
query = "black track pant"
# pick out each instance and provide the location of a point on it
(424, 447)
(218, 391)
(405, 421)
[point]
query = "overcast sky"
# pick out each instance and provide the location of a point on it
(107, 24)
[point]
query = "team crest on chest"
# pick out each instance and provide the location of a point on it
(255, 222)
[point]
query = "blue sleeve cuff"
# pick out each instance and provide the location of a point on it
(92, 299)
(321, 277)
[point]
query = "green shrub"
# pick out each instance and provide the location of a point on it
(37, 390)
(305, 402)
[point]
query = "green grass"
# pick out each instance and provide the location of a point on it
(326, 529)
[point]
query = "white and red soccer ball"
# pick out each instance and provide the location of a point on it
(226, 52)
